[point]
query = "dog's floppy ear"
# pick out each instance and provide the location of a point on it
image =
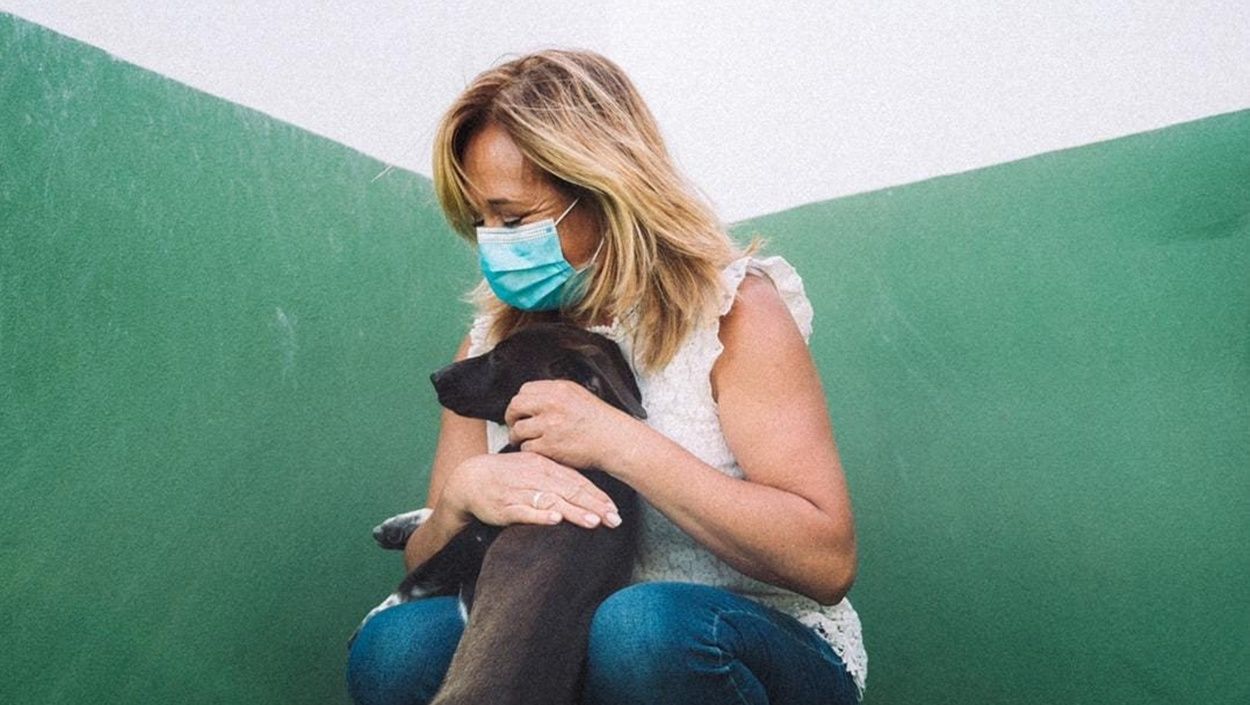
(610, 378)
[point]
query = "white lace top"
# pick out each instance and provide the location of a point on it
(679, 404)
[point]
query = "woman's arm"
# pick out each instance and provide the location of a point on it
(459, 438)
(467, 481)
(789, 522)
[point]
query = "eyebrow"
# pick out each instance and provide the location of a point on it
(496, 203)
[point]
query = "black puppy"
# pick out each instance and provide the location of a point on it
(528, 592)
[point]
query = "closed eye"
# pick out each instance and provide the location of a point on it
(514, 222)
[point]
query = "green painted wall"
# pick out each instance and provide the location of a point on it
(1040, 378)
(215, 331)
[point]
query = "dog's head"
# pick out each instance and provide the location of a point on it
(481, 387)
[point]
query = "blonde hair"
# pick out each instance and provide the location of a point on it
(577, 117)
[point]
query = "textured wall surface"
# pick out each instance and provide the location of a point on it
(1040, 377)
(215, 332)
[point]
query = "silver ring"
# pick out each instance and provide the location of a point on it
(534, 501)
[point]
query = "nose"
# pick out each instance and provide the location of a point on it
(437, 377)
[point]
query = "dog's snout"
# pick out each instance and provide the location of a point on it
(437, 376)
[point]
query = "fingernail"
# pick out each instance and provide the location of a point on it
(613, 519)
(554, 517)
(592, 519)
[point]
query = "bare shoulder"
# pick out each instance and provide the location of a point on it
(757, 304)
(760, 337)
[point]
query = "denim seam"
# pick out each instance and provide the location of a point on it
(824, 658)
(724, 658)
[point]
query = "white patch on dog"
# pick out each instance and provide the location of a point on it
(401, 522)
(392, 600)
(414, 518)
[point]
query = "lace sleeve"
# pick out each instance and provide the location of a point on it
(479, 334)
(783, 277)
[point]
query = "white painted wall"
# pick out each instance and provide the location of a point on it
(766, 105)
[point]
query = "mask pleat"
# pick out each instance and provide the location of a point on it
(525, 266)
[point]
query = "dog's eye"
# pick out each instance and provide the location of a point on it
(572, 369)
(592, 385)
(577, 371)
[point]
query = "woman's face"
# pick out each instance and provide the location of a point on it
(506, 189)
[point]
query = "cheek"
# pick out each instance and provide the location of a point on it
(578, 238)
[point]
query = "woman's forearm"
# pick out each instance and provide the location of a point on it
(430, 537)
(763, 532)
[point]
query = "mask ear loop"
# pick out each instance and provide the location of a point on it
(566, 210)
(593, 257)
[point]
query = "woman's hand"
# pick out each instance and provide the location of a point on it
(563, 421)
(525, 488)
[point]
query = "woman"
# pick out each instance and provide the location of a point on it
(553, 165)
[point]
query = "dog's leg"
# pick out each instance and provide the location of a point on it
(393, 533)
(451, 567)
(526, 640)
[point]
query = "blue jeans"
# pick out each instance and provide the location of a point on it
(649, 643)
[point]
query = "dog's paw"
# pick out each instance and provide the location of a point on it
(393, 533)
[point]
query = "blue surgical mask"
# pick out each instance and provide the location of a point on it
(525, 266)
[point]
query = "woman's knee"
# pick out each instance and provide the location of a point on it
(402, 653)
(661, 642)
(650, 625)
